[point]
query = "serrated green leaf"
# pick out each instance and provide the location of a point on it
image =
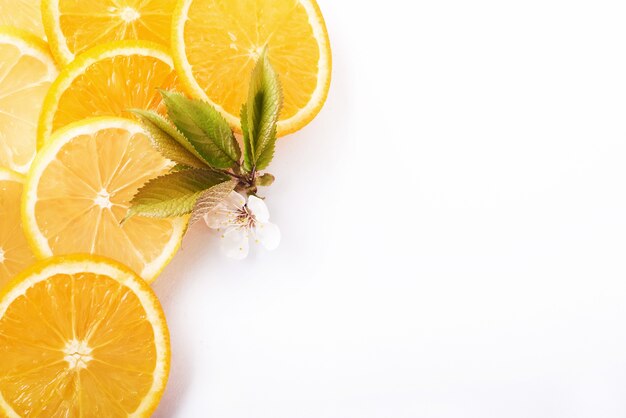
(205, 128)
(180, 167)
(248, 158)
(168, 140)
(261, 114)
(174, 194)
(209, 199)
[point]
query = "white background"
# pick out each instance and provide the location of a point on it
(454, 229)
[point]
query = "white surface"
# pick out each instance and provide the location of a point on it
(454, 229)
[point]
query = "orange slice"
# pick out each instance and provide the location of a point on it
(26, 73)
(107, 81)
(79, 190)
(216, 43)
(15, 254)
(74, 26)
(23, 14)
(81, 337)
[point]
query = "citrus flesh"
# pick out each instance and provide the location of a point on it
(26, 73)
(24, 14)
(108, 81)
(15, 254)
(81, 337)
(74, 26)
(215, 44)
(79, 190)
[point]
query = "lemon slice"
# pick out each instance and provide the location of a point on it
(23, 14)
(79, 189)
(26, 72)
(15, 254)
(81, 337)
(108, 81)
(74, 26)
(215, 46)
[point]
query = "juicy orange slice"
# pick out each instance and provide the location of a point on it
(73, 26)
(23, 14)
(26, 72)
(81, 337)
(107, 81)
(79, 189)
(15, 254)
(216, 44)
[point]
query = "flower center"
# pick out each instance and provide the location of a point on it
(1, 255)
(245, 218)
(129, 15)
(77, 354)
(103, 199)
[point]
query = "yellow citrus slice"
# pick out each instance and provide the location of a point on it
(23, 14)
(107, 81)
(26, 72)
(81, 337)
(79, 189)
(15, 254)
(74, 26)
(215, 44)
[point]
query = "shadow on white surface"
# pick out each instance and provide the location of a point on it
(168, 287)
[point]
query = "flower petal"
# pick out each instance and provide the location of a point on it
(235, 243)
(258, 209)
(234, 201)
(220, 217)
(268, 234)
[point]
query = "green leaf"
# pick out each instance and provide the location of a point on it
(179, 167)
(260, 115)
(175, 194)
(168, 140)
(248, 158)
(205, 128)
(265, 180)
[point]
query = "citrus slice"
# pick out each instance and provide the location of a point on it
(15, 254)
(215, 46)
(78, 192)
(107, 81)
(81, 337)
(23, 14)
(26, 72)
(73, 26)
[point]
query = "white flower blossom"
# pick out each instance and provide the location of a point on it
(238, 221)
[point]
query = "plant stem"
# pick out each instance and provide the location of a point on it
(246, 182)
(233, 175)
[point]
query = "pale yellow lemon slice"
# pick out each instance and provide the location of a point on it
(79, 190)
(215, 44)
(15, 254)
(108, 81)
(23, 14)
(26, 72)
(81, 337)
(74, 26)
